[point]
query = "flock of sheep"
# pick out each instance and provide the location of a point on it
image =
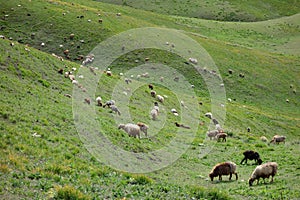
(261, 171)
(226, 168)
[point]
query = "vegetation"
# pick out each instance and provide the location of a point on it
(43, 157)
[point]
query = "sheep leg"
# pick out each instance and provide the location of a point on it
(236, 176)
(220, 177)
(230, 176)
(243, 160)
(271, 180)
(257, 181)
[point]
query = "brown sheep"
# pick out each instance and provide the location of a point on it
(277, 139)
(225, 168)
(221, 136)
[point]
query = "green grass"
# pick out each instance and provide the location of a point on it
(232, 10)
(57, 165)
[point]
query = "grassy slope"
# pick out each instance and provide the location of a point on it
(231, 10)
(31, 162)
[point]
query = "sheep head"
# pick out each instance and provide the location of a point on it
(121, 126)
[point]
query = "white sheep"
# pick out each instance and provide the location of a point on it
(160, 98)
(109, 103)
(208, 115)
(174, 111)
(132, 129)
(264, 171)
(154, 114)
(193, 60)
(153, 93)
(264, 139)
(99, 101)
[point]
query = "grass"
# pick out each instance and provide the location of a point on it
(58, 165)
(231, 10)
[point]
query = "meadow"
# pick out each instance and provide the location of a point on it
(43, 154)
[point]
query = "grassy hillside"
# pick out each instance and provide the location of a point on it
(231, 10)
(55, 163)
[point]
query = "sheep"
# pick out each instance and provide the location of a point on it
(225, 168)
(150, 86)
(132, 129)
(215, 121)
(99, 101)
(153, 93)
(212, 134)
(176, 79)
(87, 100)
(161, 79)
(251, 155)
(109, 103)
(221, 136)
(182, 126)
(248, 129)
(154, 114)
(263, 139)
(114, 108)
(160, 98)
(68, 95)
(145, 75)
(277, 139)
(127, 80)
(263, 171)
(193, 60)
(174, 111)
(208, 115)
(143, 127)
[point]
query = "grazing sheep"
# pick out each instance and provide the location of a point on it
(264, 171)
(248, 129)
(115, 109)
(277, 139)
(208, 115)
(251, 155)
(230, 71)
(153, 93)
(176, 79)
(143, 127)
(109, 103)
(182, 126)
(99, 101)
(145, 75)
(193, 60)
(263, 139)
(160, 98)
(68, 95)
(225, 168)
(127, 80)
(161, 79)
(154, 114)
(132, 129)
(221, 136)
(174, 111)
(87, 100)
(212, 134)
(215, 121)
(150, 86)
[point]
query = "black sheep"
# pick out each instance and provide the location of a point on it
(251, 155)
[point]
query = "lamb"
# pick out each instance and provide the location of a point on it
(132, 129)
(263, 171)
(221, 136)
(115, 109)
(154, 114)
(251, 155)
(99, 101)
(143, 127)
(277, 139)
(212, 134)
(225, 168)
(160, 98)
